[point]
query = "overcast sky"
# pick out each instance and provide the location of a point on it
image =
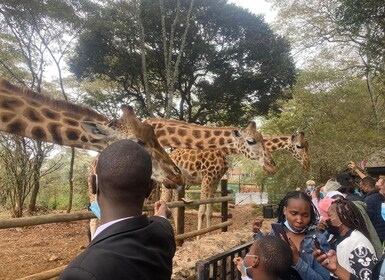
(257, 7)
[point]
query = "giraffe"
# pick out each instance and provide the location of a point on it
(207, 167)
(25, 113)
(247, 141)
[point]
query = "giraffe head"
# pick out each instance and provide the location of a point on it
(300, 149)
(25, 113)
(130, 127)
(250, 142)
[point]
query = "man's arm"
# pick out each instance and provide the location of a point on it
(355, 168)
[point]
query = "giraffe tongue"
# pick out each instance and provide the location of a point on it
(187, 201)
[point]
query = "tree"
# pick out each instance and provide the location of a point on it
(335, 113)
(346, 35)
(34, 30)
(229, 71)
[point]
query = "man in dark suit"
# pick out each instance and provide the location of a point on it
(128, 244)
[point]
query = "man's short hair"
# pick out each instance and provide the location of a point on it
(276, 253)
(369, 181)
(124, 170)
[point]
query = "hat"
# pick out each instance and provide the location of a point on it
(333, 193)
(323, 207)
(331, 185)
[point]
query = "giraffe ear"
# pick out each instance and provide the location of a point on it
(97, 130)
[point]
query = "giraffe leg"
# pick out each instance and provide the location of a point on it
(210, 207)
(201, 215)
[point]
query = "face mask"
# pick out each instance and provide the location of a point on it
(286, 223)
(310, 188)
(321, 195)
(95, 205)
(244, 267)
(95, 209)
(332, 229)
(383, 211)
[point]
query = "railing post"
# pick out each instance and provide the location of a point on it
(179, 224)
(224, 204)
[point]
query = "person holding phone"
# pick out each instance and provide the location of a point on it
(297, 219)
(353, 255)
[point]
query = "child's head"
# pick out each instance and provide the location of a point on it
(262, 258)
(298, 209)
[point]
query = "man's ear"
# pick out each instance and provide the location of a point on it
(150, 187)
(93, 184)
(256, 261)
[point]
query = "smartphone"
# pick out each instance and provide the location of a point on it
(317, 244)
(280, 231)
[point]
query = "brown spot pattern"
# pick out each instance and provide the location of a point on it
(54, 130)
(50, 114)
(32, 115)
(39, 133)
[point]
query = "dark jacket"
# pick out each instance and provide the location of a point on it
(138, 248)
(373, 202)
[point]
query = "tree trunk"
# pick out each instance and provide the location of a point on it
(71, 180)
(36, 177)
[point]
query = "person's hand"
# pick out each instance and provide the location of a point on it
(294, 250)
(161, 209)
(238, 264)
(352, 165)
(328, 260)
(257, 224)
(322, 226)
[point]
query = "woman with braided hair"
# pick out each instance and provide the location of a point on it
(352, 255)
(298, 217)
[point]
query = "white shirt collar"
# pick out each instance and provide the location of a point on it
(106, 225)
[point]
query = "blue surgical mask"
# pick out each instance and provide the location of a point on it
(95, 205)
(383, 211)
(244, 267)
(95, 209)
(286, 223)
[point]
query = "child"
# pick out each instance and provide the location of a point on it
(298, 216)
(262, 263)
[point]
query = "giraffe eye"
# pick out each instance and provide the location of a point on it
(251, 141)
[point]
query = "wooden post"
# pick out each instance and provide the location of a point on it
(224, 204)
(179, 222)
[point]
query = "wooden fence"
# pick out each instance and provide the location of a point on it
(179, 223)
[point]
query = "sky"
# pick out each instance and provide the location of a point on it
(257, 7)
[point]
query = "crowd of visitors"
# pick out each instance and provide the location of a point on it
(330, 231)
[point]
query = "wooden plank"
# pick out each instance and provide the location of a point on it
(58, 218)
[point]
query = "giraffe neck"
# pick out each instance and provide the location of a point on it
(179, 134)
(25, 113)
(274, 143)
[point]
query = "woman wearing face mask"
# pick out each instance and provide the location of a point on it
(298, 217)
(352, 255)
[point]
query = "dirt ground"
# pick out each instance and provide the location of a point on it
(29, 250)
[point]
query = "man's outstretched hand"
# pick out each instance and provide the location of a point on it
(161, 209)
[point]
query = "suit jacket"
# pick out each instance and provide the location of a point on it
(138, 248)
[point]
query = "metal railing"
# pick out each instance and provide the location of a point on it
(221, 266)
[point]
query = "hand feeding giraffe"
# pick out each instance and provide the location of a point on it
(25, 113)
(208, 167)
